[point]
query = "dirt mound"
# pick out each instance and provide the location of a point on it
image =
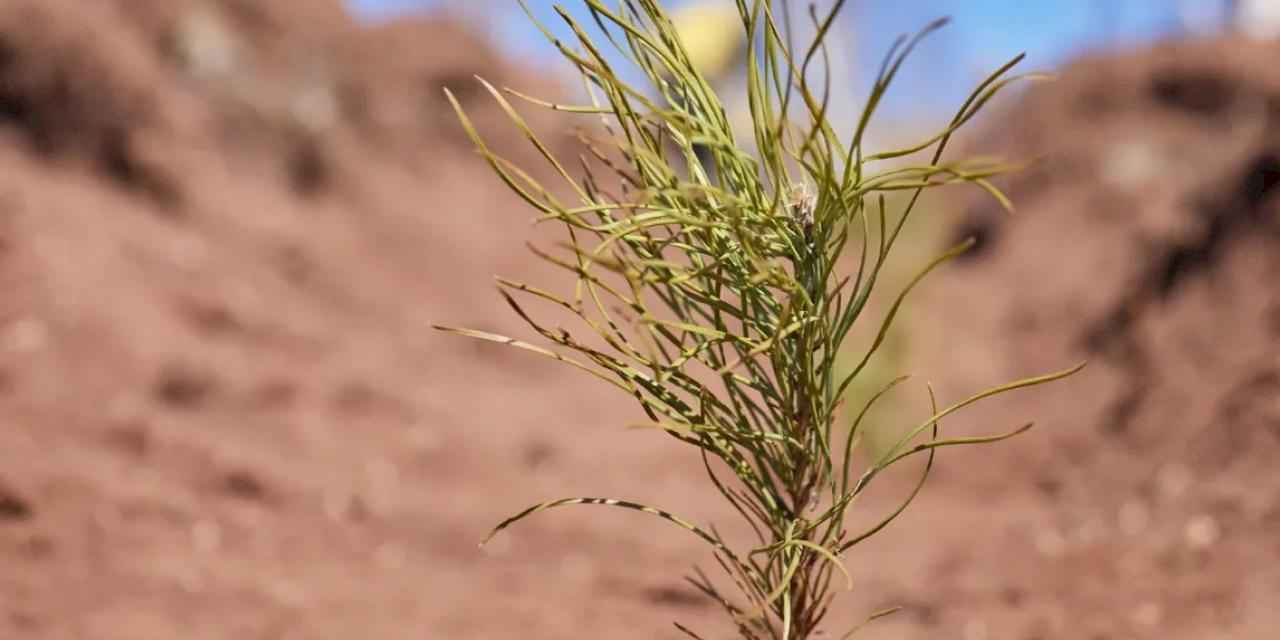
(225, 228)
(1148, 242)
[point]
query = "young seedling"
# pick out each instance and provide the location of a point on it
(715, 287)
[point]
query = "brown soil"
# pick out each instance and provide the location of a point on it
(225, 227)
(1148, 242)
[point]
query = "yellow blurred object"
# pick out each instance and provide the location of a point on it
(713, 35)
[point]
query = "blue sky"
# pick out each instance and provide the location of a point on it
(984, 34)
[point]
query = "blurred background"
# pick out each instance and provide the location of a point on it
(226, 227)
(984, 33)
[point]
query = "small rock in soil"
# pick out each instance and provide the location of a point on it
(13, 508)
(243, 484)
(184, 387)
